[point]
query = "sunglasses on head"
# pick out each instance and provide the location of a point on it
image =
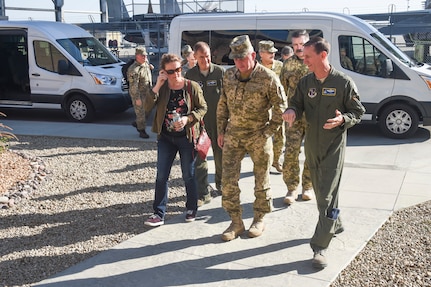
(177, 70)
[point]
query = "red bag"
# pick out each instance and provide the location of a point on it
(203, 143)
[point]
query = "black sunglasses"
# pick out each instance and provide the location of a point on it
(177, 70)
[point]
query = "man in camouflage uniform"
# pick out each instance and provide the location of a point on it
(267, 55)
(244, 125)
(293, 70)
(140, 83)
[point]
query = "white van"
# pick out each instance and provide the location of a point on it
(395, 90)
(59, 66)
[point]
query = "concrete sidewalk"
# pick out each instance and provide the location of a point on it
(380, 176)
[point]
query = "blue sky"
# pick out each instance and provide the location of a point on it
(87, 8)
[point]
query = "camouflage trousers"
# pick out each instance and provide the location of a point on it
(139, 112)
(278, 142)
(234, 150)
(291, 170)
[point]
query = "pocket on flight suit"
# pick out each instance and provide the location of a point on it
(324, 231)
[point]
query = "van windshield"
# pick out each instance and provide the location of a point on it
(88, 51)
(394, 49)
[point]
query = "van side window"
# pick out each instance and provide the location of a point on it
(219, 40)
(14, 58)
(47, 56)
(365, 58)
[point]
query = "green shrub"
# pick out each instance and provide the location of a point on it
(5, 136)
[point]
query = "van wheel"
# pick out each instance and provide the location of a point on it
(398, 121)
(80, 109)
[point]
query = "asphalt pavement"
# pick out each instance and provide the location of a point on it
(381, 175)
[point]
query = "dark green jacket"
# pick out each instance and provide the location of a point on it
(211, 86)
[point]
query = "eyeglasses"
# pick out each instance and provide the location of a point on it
(177, 70)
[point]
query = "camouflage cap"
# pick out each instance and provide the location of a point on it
(141, 50)
(186, 51)
(267, 46)
(240, 47)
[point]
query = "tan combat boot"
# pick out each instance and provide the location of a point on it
(235, 229)
(291, 196)
(257, 227)
(319, 260)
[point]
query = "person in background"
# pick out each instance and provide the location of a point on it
(245, 125)
(293, 70)
(329, 100)
(267, 59)
(180, 106)
(140, 82)
(344, 60)
(286, 53)
(189, 60)
(209, 76)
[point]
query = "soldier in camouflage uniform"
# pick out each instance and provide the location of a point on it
(140, 83)
(267, 54)
(293, 70)
(244, 125)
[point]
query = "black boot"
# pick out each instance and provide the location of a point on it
(143, 134)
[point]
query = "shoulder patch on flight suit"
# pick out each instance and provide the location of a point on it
(312, 92)
(330, 92)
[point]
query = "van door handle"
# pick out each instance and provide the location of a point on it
(36, 74)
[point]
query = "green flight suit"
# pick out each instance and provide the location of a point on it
(211, 86)
(325, 149)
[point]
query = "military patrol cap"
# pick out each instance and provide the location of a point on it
(240, 47)
(267, 46)
(186, 51)
(141, 50)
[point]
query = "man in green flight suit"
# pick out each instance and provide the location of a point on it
(330, 102)
(209, 77)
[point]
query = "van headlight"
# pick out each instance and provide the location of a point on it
(100, 79)
(427, 81)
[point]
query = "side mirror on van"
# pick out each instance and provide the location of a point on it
(63, 67)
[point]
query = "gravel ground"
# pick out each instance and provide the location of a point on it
(398, 255)
(97, 193)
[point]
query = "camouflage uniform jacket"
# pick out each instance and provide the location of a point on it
(293, 70)
(140, 80)
(276, 67)
(244, 106)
